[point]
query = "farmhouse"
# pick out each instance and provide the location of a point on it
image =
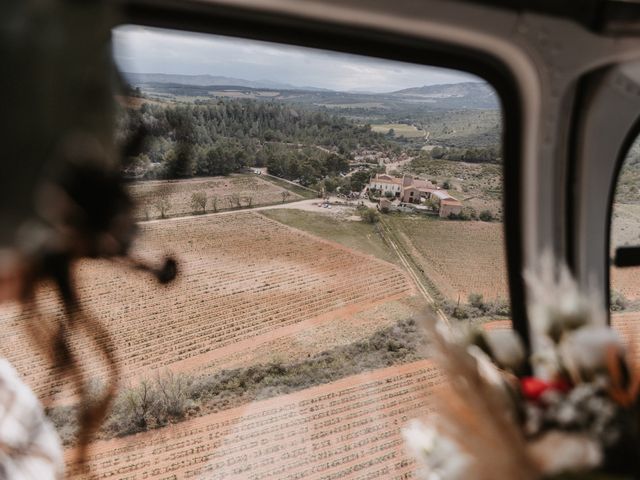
(386, 183)
(415, 190)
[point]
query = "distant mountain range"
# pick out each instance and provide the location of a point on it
(211, 81)
(466, 95)
(477, 90)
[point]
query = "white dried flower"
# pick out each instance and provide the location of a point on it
(556, 302)
(534, 417)
(559, 452)
(545, 360)
(506, 348)
(441, 458)
(584, 351)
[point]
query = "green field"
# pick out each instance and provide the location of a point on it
(360, 236)
(399, 130)
(303, 192)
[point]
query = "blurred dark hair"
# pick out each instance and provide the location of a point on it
(62, 198)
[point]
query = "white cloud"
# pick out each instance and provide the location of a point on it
(148, 50)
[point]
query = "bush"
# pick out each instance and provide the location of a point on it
(500, 307)
(65, 420)
(199, 202)
(476, 300)
(133, 409)
(151, 404)
(617, 301)
(460, 313)
(477, 307)
(464, 215)
(369, 215)
(486, 216)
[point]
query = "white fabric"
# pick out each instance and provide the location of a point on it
(30, 448)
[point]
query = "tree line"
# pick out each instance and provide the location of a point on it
(470, 155)
(225, 136)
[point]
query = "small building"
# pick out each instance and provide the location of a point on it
(416, 191)
(386, 183)
(450, 206)
(447, 205)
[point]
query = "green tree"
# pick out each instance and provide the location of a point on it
(199, 201)
(437, 152)
(369, 215)
(486, 216)
(359, 180)
(162, 203)
(179, 163)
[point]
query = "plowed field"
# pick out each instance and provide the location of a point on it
(345, 429)
(244, 281)
(458, 257)
(249, 190)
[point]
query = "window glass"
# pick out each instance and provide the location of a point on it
(625, 232)
(317, 204)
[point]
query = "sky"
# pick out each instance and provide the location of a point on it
(150, 50)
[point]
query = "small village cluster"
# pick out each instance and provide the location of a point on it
(407, 192)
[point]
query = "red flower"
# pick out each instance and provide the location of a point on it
(532, 388)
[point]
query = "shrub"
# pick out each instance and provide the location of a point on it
(476, 300)
(162, 204)
(65, 420)
(173, 396)
(465, 214)
(199, 201)
(500, 307)
(133, 410)
(460, 313)
(369, 215)
(617, 301)
(477, 307)
(486, 216)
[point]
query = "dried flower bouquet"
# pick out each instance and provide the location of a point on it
(567, 410)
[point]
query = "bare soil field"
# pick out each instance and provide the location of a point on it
(625, 230)
(244, 281)
(627, 282)
(230, 192)
(628, 325)
(458, 257)
(345, 429)
(315, 338)
(625, 225)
